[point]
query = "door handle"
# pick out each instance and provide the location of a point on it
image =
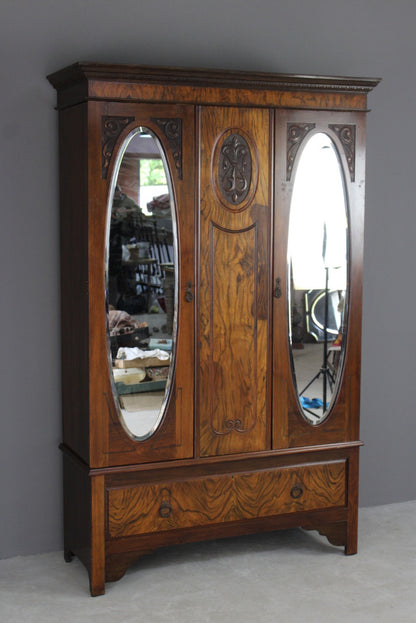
(189, 295)
(277, 292)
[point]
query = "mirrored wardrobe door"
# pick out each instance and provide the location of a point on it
(317, 226)
(317, 265)
(147, 282)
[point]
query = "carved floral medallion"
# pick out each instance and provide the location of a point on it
(235, 169)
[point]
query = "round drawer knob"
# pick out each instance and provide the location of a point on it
(296, 492)
(165, 509)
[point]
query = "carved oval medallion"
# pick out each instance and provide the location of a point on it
(235, 169)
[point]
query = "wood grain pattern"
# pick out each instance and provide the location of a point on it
(233, 306)
(226, 498)
(237, 97)
(231, 341)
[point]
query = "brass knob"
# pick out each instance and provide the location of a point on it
(296, 492)
(165, 509)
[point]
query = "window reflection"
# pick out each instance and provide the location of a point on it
(317, 263)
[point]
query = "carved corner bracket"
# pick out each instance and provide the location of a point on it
(346, 134)
(296, 132)
(172, 129)
(111, 128)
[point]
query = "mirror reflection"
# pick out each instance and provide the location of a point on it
(141, 283)
(317, 265)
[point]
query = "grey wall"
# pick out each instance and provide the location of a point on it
(344, 37)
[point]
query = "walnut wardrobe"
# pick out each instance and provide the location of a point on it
(211, 273)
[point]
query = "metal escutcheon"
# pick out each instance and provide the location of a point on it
(277, 292)
(189, 295)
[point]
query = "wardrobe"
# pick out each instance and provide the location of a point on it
(201, 211)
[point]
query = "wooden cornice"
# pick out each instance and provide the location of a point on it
(86, 81)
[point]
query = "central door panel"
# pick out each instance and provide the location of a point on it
(234, 281)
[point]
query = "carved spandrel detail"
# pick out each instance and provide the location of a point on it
(346, 134)
(111, 128)
(172, 129)
(235, 169)
(296, 132)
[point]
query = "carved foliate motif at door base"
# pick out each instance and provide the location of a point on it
(346, 134)
(111, 128)
(172, 129)
(235, 169)
(296, 132)
(231, 425)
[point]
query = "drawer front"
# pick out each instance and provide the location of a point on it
(218, 499)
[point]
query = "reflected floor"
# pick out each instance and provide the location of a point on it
(308, 362)
(141, 411)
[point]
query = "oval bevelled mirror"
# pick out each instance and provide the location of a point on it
(318, 276)
(141, 283)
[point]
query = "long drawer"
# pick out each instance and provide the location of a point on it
(170, 505)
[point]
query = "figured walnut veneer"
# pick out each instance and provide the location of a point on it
(227, 498)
